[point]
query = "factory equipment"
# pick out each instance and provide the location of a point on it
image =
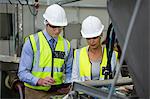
(12, 28)
(10, 86)
(132, 30)
(130, 21)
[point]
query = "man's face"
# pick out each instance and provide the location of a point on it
(54, 31)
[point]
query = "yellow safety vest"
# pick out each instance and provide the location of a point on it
(85, 66)
(42, 61)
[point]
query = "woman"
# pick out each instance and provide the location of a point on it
(90, 62)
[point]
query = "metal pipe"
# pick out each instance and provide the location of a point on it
(86, 6)
(120, 81)
(20, 91)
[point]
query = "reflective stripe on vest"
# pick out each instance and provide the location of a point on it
(42, 61)
(82, 60)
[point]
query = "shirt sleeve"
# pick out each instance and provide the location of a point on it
(115, 63)
(25, 65)
(68, 64)
(75, 71)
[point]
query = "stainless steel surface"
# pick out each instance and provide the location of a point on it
(128, 34)
(120, 81)
(8, 62)
(6, 58)
(92, 91)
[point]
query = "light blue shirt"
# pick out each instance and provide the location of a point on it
(25, 66)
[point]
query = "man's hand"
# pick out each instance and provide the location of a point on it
(47, 81)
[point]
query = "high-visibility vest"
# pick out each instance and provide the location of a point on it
(82, 60)
(42, 61)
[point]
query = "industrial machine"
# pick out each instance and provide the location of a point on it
(132, 31)
(130, 19)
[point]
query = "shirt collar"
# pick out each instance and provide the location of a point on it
(48, 37)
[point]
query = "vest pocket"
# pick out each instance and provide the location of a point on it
(58, 62)
(58, 77)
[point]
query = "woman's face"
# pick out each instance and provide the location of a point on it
(93, 42)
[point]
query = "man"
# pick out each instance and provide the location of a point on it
(45, 56)
(91, 62)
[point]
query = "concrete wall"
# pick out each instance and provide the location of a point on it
(76, 13)
(7, 46)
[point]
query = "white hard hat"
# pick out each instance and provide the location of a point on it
(91, 27)
(55, 15)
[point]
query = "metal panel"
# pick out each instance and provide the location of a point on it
(72, 31)
(92, 91)
(120, 81)
(137, 50)
(7, 63)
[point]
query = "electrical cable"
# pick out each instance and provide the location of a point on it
(18, 86)
(10, 1)
(20, 91)
(6, 82)
(34, 14)
(63, 2)
(20, 2)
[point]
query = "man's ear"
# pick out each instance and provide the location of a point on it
(45, 22)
